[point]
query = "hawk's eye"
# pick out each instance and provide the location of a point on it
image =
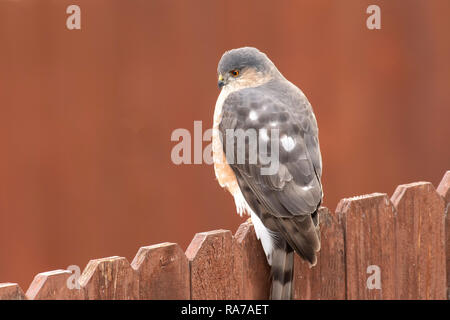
(234, 73)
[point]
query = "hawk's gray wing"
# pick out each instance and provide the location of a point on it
(287, 200)
(294, 189)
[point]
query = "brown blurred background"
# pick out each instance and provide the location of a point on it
(86, 116)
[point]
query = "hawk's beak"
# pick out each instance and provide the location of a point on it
(220, 83)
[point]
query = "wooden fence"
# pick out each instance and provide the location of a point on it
(403, 239)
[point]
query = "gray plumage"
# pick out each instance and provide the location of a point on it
(286, 202)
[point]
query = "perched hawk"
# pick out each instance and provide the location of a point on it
(283, 203)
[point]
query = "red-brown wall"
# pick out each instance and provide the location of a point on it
(86, 115)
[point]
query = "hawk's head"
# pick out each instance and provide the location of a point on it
(245, 67)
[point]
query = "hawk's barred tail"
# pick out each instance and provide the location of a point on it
(282, 273)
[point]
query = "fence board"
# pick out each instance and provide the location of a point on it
(163, 271)
(444, 190)
(110, 279)
(255, 269)
(369, 233)
(215, 273)
(421, 270)
(52, 285)
(326, 280)
(11, 291)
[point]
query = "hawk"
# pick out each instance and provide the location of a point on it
(282, 204)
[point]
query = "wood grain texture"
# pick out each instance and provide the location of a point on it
(11, 291)
(215, 273)
(255, 269)
(369, 232)
(326, 280)
(444, 190)
(421, 272)
(52, 285)
(163, 272)
(110, 279)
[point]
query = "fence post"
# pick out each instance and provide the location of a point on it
(163, 271)
(369, 233)
(326, 280)
(255, 269)
(215, 269)
(110, 279)
(11, 291)
(444, 190)
(420, 231)
(52, 285)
